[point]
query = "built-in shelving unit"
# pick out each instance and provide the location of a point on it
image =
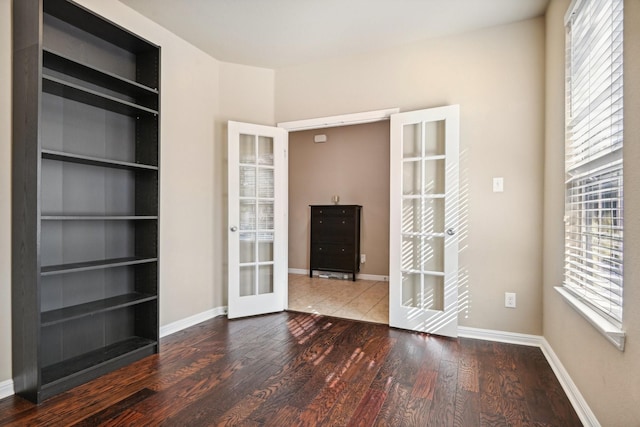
(85, 197)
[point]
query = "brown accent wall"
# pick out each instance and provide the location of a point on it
(354, 164)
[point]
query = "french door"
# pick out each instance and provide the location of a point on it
(258, 226)
(423, 264)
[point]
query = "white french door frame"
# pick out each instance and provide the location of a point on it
(444, 327)
(256, 300)
(423, 220)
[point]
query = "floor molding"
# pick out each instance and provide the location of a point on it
(500, 336)
(360, 276)
(181, 324)
(578, 402)
(6, 389)
(585, 413)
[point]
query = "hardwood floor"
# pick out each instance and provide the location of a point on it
(298, 369)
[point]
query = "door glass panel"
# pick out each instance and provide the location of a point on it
(265, 183)
(265, 215)
(433, 293)
(433, 215)
(247, 247)
(265, 150)
(410, 253)
(433, 249)
(411, 211)
(247, 215)
(434, 177)
(247, 149)
(247, 181)
(247, 280)
(434, 138)
(412, 141)
(411, 177)
(411, 290)
(265, 247)
(265, 279)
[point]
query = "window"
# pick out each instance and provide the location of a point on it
(593, 263)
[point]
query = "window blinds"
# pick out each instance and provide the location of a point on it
(593, 164)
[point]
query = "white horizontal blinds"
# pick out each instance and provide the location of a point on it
(594, 138)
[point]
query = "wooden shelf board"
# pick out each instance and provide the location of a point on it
(58, 62)
(94, 161)
(78, 93)
(66, 314)
(93, 265)
(97, 217)
(81, 364)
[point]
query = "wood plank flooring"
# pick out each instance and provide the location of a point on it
(299, 369)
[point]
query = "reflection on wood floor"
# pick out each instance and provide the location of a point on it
(366, 300)
(299, 369)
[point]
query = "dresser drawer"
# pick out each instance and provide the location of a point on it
(332, 256)
(332, 228)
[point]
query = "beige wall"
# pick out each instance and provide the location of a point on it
(195, 88)
(354, 164)
(607, 378)
(497, 77)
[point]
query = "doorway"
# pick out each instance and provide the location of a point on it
(423, 208)
(352, 163)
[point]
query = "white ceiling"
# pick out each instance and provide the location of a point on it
(278, 33)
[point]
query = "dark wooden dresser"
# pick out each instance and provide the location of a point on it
(335, 239)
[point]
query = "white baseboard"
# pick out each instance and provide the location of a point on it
(6, 389)
(585, 413)
(191, 320)
(500, 336)
(376, 277)
(575, 397)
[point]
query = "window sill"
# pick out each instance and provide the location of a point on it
(611, 332)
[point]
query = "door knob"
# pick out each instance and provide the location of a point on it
(451, 232)
(234, 228)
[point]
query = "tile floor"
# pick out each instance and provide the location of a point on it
(366, 300)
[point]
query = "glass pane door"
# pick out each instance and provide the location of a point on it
(423, 218)
(257, 219)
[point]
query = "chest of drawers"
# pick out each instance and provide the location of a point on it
(335, 239)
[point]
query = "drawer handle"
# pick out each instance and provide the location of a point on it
(343, 222)
(320, 222)
(342, 249)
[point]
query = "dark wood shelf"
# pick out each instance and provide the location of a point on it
(80, 364)
(76, 267)
(94, 307)
(94, 161)
(85, 177)
(59, 87)
(86, 20)
(98, 217)
(58, 62)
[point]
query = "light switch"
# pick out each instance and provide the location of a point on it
(498, 184)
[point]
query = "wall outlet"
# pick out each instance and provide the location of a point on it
(498, 184)
(510, 299)
(363, 258)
